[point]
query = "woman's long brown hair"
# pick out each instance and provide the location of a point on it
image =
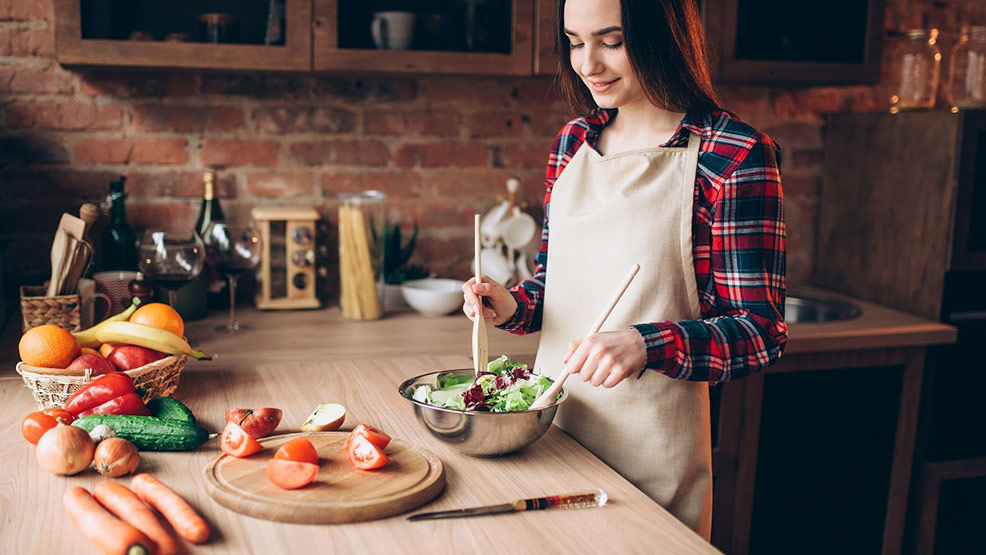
(665, 43)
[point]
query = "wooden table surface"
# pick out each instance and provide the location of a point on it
(296, 360)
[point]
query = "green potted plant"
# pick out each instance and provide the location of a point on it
(395, 254)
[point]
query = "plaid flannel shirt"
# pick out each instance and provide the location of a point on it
(739, 243)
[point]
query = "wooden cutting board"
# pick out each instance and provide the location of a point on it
(340, 493)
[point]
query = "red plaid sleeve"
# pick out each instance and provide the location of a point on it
(740, 269)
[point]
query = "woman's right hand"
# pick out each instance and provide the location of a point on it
(500, 304)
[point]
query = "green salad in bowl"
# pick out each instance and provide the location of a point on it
(505, 386)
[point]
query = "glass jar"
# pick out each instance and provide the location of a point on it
(359, 258)
(916, 65)
(967, 70)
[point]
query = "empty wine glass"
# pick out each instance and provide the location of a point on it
(171, 259)
(232, 249)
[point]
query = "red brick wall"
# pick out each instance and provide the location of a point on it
(441, 148)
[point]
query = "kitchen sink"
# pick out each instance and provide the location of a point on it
(814, 308)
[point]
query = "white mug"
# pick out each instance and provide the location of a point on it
(87, 299)
(392, 30)
(495, 266)
(518, 230)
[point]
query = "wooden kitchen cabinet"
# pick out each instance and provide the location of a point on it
(814, 455)
(343, 39)
(98, 33)
(319, 35)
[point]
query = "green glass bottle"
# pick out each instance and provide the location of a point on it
(209, 212)
(119, 239)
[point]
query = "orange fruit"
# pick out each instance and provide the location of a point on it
(48, 346)
(161, 316)
(106, 348)
(88, 351)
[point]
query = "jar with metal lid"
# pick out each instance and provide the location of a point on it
(916, 66)
(967, 70)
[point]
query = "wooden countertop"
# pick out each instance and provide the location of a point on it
(296, 360)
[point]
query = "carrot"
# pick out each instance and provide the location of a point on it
(108, 533)
(179, 513)
(129, 508)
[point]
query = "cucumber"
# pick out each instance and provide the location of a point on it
(170, 409)
(149, 433)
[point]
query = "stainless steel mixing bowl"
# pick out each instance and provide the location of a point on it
(480, 434)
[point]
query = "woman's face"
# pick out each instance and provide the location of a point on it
(594, 29)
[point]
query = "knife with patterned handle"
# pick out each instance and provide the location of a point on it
(574, 501)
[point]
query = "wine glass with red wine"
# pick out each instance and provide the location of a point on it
(232, 249)
(171, 259)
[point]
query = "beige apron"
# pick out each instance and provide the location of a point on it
(606, 214)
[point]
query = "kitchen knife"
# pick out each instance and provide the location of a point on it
(574, 501)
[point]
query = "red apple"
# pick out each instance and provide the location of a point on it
(128, 357)
(89, 361)
(257, 423)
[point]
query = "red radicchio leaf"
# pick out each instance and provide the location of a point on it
(473, 397)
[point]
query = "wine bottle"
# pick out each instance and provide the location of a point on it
(119, 239)
(209, 212)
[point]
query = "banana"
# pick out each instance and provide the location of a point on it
(87, 337)
(147, 336)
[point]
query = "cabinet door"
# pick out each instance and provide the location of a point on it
(545, 58)
(492, 37)
(252, 36)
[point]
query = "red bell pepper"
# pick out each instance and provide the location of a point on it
(109, 394)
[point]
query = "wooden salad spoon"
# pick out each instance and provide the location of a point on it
(547, 398)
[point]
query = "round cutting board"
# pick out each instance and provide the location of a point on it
(339, 494)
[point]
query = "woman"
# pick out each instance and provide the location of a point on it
(658, 175)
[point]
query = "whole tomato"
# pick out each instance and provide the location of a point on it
(35, 425)
(61, 415)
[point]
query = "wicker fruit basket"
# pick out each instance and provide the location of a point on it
(52, 387)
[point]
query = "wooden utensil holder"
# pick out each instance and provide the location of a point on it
(37, 309)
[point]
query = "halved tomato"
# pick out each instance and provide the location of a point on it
(375, 436)
(364, 455)
(298, 450)
(291, 474)
(61, 415)
(35, 425)
(238, 443)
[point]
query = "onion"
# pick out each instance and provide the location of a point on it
(65, 449)
(115, 457)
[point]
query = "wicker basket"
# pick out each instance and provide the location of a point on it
(38, 310)
(52, 390)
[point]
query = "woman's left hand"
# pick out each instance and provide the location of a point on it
(606, 358)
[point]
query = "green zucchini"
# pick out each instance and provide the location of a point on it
(170, 409)
(149, 433)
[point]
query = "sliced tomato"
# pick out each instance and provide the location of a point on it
(298, 450)
(61, 415)
(375, 436)
(364, 455)
(35, 425)
(287, 474)
(238, 443)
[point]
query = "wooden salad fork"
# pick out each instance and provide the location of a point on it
(480, 347)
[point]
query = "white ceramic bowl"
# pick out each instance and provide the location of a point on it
(433, 296)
